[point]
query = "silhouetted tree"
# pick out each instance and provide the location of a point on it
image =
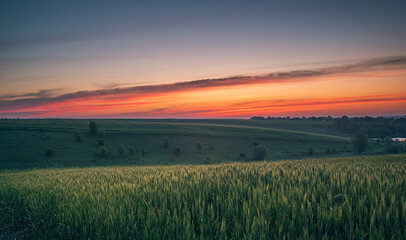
(199, 146)
(131, 150)
(259, 153)
(121, 149)
(143, 152)
(78, 136)
(359, 142)
(105, 151)
(93, 127)
(49, 152)
(310, 151)
(177, 150)
(166, 142)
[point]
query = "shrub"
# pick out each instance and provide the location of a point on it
(93, 127)
(105, 151)
(131, 150)
(259, 153)
(49, 152)
(177, 150)
(143, 152)
(310, 151)
(121, 149)
(199, 146)
(78, 136)
(394, 148)
(359, 141)
(166, 142)
(243, 156)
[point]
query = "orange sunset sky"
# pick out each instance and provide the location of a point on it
(193, 60)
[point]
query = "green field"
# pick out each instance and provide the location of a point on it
(341, 198)
(23, 142)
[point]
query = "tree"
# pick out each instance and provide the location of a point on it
(310, 151)
(199, 146)
(121, 149)
(243, 156)
(78, 136)
(143, 152)
(131, 150)
(359, 141)
(49, 152)
(166, 142)
(177, 150)
(105, 151)
(259, 153)
(93, 127)
(101, 142)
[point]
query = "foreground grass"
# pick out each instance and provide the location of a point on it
(342, 198)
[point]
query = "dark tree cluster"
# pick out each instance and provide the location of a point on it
(373, 127)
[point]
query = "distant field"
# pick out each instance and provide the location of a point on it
(341, 198)
(23, 143)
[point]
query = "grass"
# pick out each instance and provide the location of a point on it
(23, 142)
(342, 198)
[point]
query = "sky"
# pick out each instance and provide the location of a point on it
(202, 59)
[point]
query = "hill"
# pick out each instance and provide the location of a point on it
(23, 143)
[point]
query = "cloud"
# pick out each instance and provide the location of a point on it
(111, 84)
(43, 93)
(30, 41)
(277, 77)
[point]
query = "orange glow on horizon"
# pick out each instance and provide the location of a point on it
(373, 93)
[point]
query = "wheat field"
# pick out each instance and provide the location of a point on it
(343, 198)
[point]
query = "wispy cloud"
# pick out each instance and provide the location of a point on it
(42, 99)
(29, 41)
(43, 93)
(111, 84)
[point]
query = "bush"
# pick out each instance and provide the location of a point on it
(259, 153)
(394, 148)
(243, 156)
(199, 146)
(131, 150)
(105, 151)
(177, 151)
(143, 152)
(121, 149)
(166, 142)
(78, 136)
(93, 127)
(359, 141)
(49, 152)
(101, 142)
(310, 151)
